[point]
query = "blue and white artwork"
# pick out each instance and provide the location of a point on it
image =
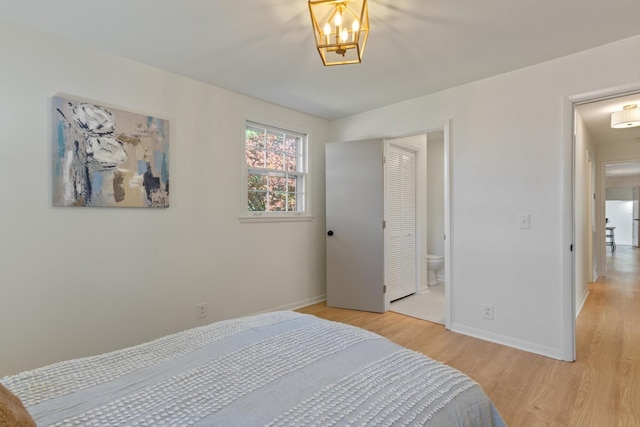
(106, 157)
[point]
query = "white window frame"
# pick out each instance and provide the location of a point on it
(275, 216)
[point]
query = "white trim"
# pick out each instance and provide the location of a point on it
(295, 305)
(601, 196)
(508, 341)
(586, 295)
(567, 194)
(448, 232)
(266, 218)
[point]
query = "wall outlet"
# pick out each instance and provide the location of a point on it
(487, 311)
(201, 310)
(524, 221)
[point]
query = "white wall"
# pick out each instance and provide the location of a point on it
(619, 193)
(620, 215)
(510, 154)
(621, 188)
(55, 300)
(625, 182)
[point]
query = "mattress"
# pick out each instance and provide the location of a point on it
(274, 369)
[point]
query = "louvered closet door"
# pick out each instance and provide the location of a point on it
(400, 259)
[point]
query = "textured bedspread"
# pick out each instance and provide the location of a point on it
(273, 369)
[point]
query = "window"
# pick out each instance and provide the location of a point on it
(276, 171)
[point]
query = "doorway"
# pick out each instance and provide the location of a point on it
(428, 301)
(595, 146)
(355, 223)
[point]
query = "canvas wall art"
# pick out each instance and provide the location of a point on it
(105, 157)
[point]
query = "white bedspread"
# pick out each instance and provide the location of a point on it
(273, 369)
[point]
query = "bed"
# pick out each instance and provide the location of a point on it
(274, 369)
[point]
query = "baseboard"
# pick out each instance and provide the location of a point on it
(296, 305)
(586, 295)
(530, 347)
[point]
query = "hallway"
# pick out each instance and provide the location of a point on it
(608, 344)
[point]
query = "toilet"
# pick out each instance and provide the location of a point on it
(434, 262)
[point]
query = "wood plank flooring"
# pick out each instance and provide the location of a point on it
(600, 389)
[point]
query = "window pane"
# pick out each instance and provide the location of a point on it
(255, 157)
(290, 163)
(257, 201)
(277, 201)
(255, 137)
(275, 141)
(292, 145)
(274, 160)
(257, 182)
(292, 184)
(292, 207)
(277, 183)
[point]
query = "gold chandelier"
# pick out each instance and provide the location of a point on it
(341, 28)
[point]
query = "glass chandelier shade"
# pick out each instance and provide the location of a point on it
(341, 28)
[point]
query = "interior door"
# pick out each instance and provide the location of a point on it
(400, 254)
(354, 210)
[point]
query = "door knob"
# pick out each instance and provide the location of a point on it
(330, 233)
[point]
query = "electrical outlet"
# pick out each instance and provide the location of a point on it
(524, 221)
(201, 310)
(487, 311)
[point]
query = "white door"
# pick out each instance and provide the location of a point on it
(400, 256)
(354, 212)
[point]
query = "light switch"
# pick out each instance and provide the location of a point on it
(524, 221)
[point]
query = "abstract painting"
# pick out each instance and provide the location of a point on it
(105, 157)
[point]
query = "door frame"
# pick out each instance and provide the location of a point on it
(635, 239)
(444, 126)
(602, 209)
(569, 222)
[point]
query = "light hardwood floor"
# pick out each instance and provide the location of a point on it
(600, 389)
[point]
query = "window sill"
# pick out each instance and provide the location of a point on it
(274, 218)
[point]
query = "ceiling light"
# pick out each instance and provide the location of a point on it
(629, 117)
(341, 28)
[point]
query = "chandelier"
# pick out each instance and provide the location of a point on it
(341, 28)
(628, 117)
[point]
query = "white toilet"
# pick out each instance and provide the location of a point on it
(434, 263)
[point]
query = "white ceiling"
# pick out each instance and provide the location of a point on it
(265, 48)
